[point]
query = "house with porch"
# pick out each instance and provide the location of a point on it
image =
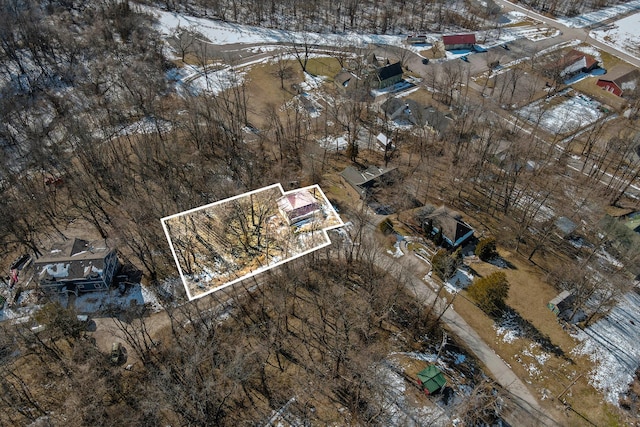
(77, 266)
(576, 62)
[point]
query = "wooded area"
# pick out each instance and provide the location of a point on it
(96, 134)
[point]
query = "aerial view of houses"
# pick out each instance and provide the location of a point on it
(375, 213)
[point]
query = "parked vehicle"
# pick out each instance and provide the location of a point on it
(116, 353)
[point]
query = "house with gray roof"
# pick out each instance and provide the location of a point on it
(77, 266)
(413, 112)
(363, 181)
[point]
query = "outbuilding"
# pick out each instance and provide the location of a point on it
(431, 379)
(621, 84)
(459, 41)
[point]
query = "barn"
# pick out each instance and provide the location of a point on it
(622, 84)
(459, 41)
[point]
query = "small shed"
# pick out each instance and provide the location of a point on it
(384, 141)
(561, 303)
(431, 379)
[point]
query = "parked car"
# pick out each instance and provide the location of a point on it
(116, 353)
(464, 58)
(425, 61)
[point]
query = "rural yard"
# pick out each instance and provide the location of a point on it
(336, 213)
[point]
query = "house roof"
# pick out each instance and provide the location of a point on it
(449, 223)
(384, 140)
(560, 298)
(296, 200)
(357, 178)
(74, 259)
(431, 378)
(629, 81)
(576, 55)
(389, 71)
(343, 78)
(416, 113)
(622, 78)
(459, 39)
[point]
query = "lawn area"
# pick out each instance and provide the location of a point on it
(545, 363)
(325, 66)
(264, 86)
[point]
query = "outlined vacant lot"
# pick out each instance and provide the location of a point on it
(222, 243)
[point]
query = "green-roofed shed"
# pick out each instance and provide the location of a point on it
(431, 379)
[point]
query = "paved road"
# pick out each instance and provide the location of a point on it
(569, 33)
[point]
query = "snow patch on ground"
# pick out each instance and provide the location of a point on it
(533, 359)
(623, 34)
(222, 33)
(613, 345)
(198, 80)
(508, 328)
(334, 143)
(601, 15)
(568, 116)
(460, 280)
(397, 253)
(147, 125)
(95, 302)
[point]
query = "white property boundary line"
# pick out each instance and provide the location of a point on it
(324, 230)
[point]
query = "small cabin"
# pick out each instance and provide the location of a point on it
(431, 379)
(561, 303)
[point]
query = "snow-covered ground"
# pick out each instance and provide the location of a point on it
(460, 280)
(613, 344)
(334, 143)
(94, 302)
(222, 33)
(591, 18)
(566, 117)
(623, 34)
(213, 81)
(401, 412)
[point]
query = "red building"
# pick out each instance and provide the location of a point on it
(459, 41)
(625, 83)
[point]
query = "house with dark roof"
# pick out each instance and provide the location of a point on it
(387, 76)
(459, 41)
(450, 225)
(621, 84)
(77, 266)
(363, 181)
